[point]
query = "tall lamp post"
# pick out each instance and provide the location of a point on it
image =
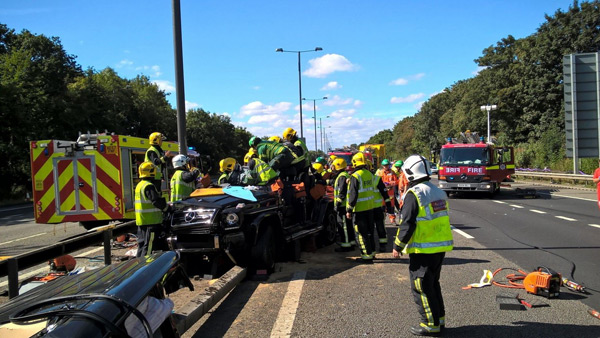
(321, 129)
(488, 108)
(315, 117)
(299, 77)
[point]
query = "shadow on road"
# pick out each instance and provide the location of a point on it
(523, 329)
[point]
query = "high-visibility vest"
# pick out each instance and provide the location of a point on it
(159, 173)
(433, 233)
(264, 171)
(305, 157)
(267, 150)
(179, 188)
(223, 178)
(377, 199)
(365, 190)
(145, 212)
(337, 196)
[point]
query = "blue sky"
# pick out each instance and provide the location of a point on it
(380, 61)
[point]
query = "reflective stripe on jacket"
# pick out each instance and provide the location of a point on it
(337, 194)
(365, 190)
(264, 171)
(179, 188)
(305, 156)
(433, 233)
(159, 173)
(377, 199)
(145, 212)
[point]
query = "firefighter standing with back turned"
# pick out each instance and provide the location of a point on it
(381, 204)
(157, 155)
(359, 203)
(149, 208)
(340, 190)
(183, 181)
(426, 236)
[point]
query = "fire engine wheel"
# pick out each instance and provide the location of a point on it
(89, 225)
(263, 253)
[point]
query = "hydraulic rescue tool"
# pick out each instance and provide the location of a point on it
(544, 282)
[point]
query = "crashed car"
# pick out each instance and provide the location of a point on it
(255, 227)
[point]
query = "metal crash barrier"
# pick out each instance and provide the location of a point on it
(10, 267)
(555, 177)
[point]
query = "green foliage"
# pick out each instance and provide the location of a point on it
(523, 77)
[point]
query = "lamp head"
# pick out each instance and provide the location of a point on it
(279, 50)
(318, 49)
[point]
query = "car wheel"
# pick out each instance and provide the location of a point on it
(263, 253)
(329, 232)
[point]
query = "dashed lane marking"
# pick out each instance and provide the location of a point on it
(537, 211)
(20, 239)
(565, 196)
(287, 313)
(517, 206)
(464, 234)
(566, 218)
(499, 202)
(594, 225)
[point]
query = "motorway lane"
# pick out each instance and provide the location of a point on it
(552, 231)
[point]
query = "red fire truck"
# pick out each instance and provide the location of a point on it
(468, 164)
(345, 153)
(91, 180)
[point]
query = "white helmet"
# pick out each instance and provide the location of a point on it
(416, 167)
(180, 161)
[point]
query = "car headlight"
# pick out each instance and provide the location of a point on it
(194, 216)
(232, 220)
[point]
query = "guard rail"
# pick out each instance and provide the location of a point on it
(10, 267)
(556, 177)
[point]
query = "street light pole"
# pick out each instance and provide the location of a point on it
(315, 117)
(488, 108)
(322, 132)
(281, 50)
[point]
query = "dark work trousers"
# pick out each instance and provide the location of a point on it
(345, 229)
(363, 225)
(379, 218)
(148, 239)
(425, 284)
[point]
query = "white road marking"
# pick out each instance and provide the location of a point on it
(20, 239)
(287, 313)
(517, 206)
(575, 198)
(594, 225)
(464, 234)
(566, 218)
(499, 202)
(537, 211)
(43, 270)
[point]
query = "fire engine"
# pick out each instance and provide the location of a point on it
(91, 180)
(374, 152)
(346, 153)
(469, 164)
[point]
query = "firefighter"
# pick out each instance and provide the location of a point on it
(381, 204)
(390, 180)
(249, 155)
(402, 184)
(260, 173)
(183, 181)
(157, 155)
(149, 208)
(298, 146)
(359, 204)
(278, 156)
(231, 172)
(275, 139)
(340, 190)
(385, 166)
(424, 234)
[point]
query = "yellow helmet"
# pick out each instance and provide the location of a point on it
(156, 139)
(288, 134)
(227, 164)
(147, 169)
(318, 167)
(275, 139)
(358, 159)
(249, 155)
(332, 157)
(339, 164)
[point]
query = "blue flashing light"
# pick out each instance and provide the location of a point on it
(191, 148)
(102, 147)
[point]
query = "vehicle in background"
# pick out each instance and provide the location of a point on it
(346, 153)
(374, 152)
(433, 167)
(468, 164)
(91, 180)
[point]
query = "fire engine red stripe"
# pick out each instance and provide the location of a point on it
(108, 181)
(107, 207)
(86, 163)
(67, 190)
(46, 213)
(41, 159)
(62, 166)
(112, 158)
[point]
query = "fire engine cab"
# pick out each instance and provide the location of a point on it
(91, 180)
(469, 164)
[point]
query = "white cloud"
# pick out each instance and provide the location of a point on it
(258, 108)
(268, 118)
(434, 94)
(164, 85)
(358, 103)
(419, 105)
(190, 105)
(343, 113)
(327, 64)
(336, 100)
(479, 69)
(256, 87)
(332, 85)
(155, 69)
(404, 81)
(124, 63)
(407, 99)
